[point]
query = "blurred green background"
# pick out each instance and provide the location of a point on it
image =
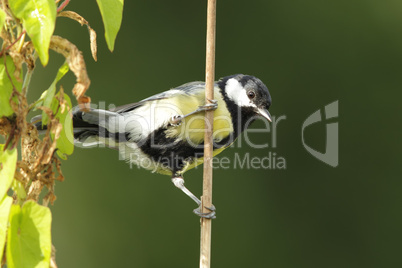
(309, 54)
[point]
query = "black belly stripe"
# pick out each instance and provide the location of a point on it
(169, 152)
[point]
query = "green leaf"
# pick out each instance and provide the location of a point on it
(5, 206)
(38, 18)
(6, 86)
(29, 241)
(112, 14)
(65, 143)
(19, 189)
(48, 95)
(8, 162)
(2, 18)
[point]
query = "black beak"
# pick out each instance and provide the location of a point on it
(264, 113)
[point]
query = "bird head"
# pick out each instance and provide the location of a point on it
(249, 93)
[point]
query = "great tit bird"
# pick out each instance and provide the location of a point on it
(165, 133)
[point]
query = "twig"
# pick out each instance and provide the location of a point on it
(63, 5)
(13, 43)
(206, 224)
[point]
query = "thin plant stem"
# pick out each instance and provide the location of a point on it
(206, 199)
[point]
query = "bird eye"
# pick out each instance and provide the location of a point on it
(251, 94)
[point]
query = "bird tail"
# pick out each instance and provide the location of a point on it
(89, 128)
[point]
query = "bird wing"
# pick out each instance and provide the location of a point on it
(138, 120)
(183, 89)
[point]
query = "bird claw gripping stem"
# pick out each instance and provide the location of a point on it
(176, 120)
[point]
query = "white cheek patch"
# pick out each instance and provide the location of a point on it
(237, 93)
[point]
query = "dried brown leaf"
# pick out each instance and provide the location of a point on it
(47, 147)
(56, 130)
(22, 173)
(94, 47)
(77, 66)
(34, 190)
(5, 126)
(62, 101)
(18, 60)
(57, 163)
(27, 50)
(74, 16)
(92, 34)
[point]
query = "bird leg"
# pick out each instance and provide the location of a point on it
(179, 183)
(177, 119)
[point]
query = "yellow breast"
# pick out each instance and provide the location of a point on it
(192, 127)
